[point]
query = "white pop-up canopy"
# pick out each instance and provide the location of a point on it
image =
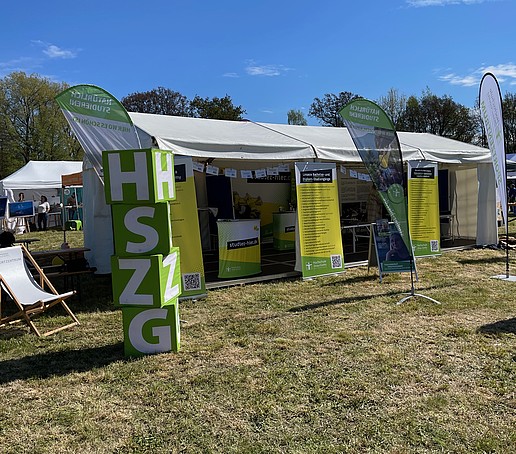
(40, 175)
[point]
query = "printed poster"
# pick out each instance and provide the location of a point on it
(185, 229)
(318, 219)
(423, 208)
(391, 252)
(239, 247)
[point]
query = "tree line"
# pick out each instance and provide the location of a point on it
(32, 126)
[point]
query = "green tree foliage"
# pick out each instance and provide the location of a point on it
(326, 110)
(296, 117)
(160, 101)
(216, 108)
(509, 119)
(440, 116)
(163, 101)
(32, 126)
(394, 105)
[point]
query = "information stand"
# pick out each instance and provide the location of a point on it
(239, 247)
(383, 239)
(284, 230)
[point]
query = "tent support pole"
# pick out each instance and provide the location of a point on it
(63, 212)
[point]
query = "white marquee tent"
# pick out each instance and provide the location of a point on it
(38, 178)
(40, 175)
(230, 143)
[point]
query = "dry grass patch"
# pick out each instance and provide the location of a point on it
(328, 365)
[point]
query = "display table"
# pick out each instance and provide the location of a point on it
(284, 230)
(447, 227)
(239, 247)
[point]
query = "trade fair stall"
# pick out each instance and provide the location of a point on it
(257, 160)
(35, 179)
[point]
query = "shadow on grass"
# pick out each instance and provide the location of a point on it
(94, 293)
(60, 363)
(353, 280)
(354, 299)
(351, 299)
(501, 327)
(481, 260)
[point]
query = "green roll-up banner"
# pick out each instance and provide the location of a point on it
(320, 238)
(423, 208)
(185, 229)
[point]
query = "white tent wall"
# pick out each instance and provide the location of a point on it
(37, 178)
(98, 230)
(40, 175)
(464, 201)
(487, 228)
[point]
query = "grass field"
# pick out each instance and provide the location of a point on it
(323, 366)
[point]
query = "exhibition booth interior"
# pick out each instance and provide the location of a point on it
(243, 178)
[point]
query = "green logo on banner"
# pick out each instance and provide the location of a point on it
(92, 101)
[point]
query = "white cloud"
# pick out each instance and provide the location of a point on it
(231, 75)
(505, 72)
(465, 81)
(423, 3)
(24, 64)
(56, 52)
(265, 70)
(53, 51)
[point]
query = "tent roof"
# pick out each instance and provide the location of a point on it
(203, 138)
(40, 175)
(248, 140)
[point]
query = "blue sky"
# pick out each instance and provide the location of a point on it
(269, 56)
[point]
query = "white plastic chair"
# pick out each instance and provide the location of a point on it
(28, 295)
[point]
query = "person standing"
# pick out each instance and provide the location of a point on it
(512, 197)
(43, 209)
(71, 204)
(21, 223)
(398, 249)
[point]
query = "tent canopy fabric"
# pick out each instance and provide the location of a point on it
(40, 175)
(202, 138)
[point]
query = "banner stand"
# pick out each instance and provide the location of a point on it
(413, 293)
(491, 113)
(378, 145)
(379, 246)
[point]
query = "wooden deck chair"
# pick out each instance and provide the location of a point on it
(30, 297)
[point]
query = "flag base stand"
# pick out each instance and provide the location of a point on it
(504, 277)
(412, 294)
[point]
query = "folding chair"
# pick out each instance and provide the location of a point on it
(28, 295)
